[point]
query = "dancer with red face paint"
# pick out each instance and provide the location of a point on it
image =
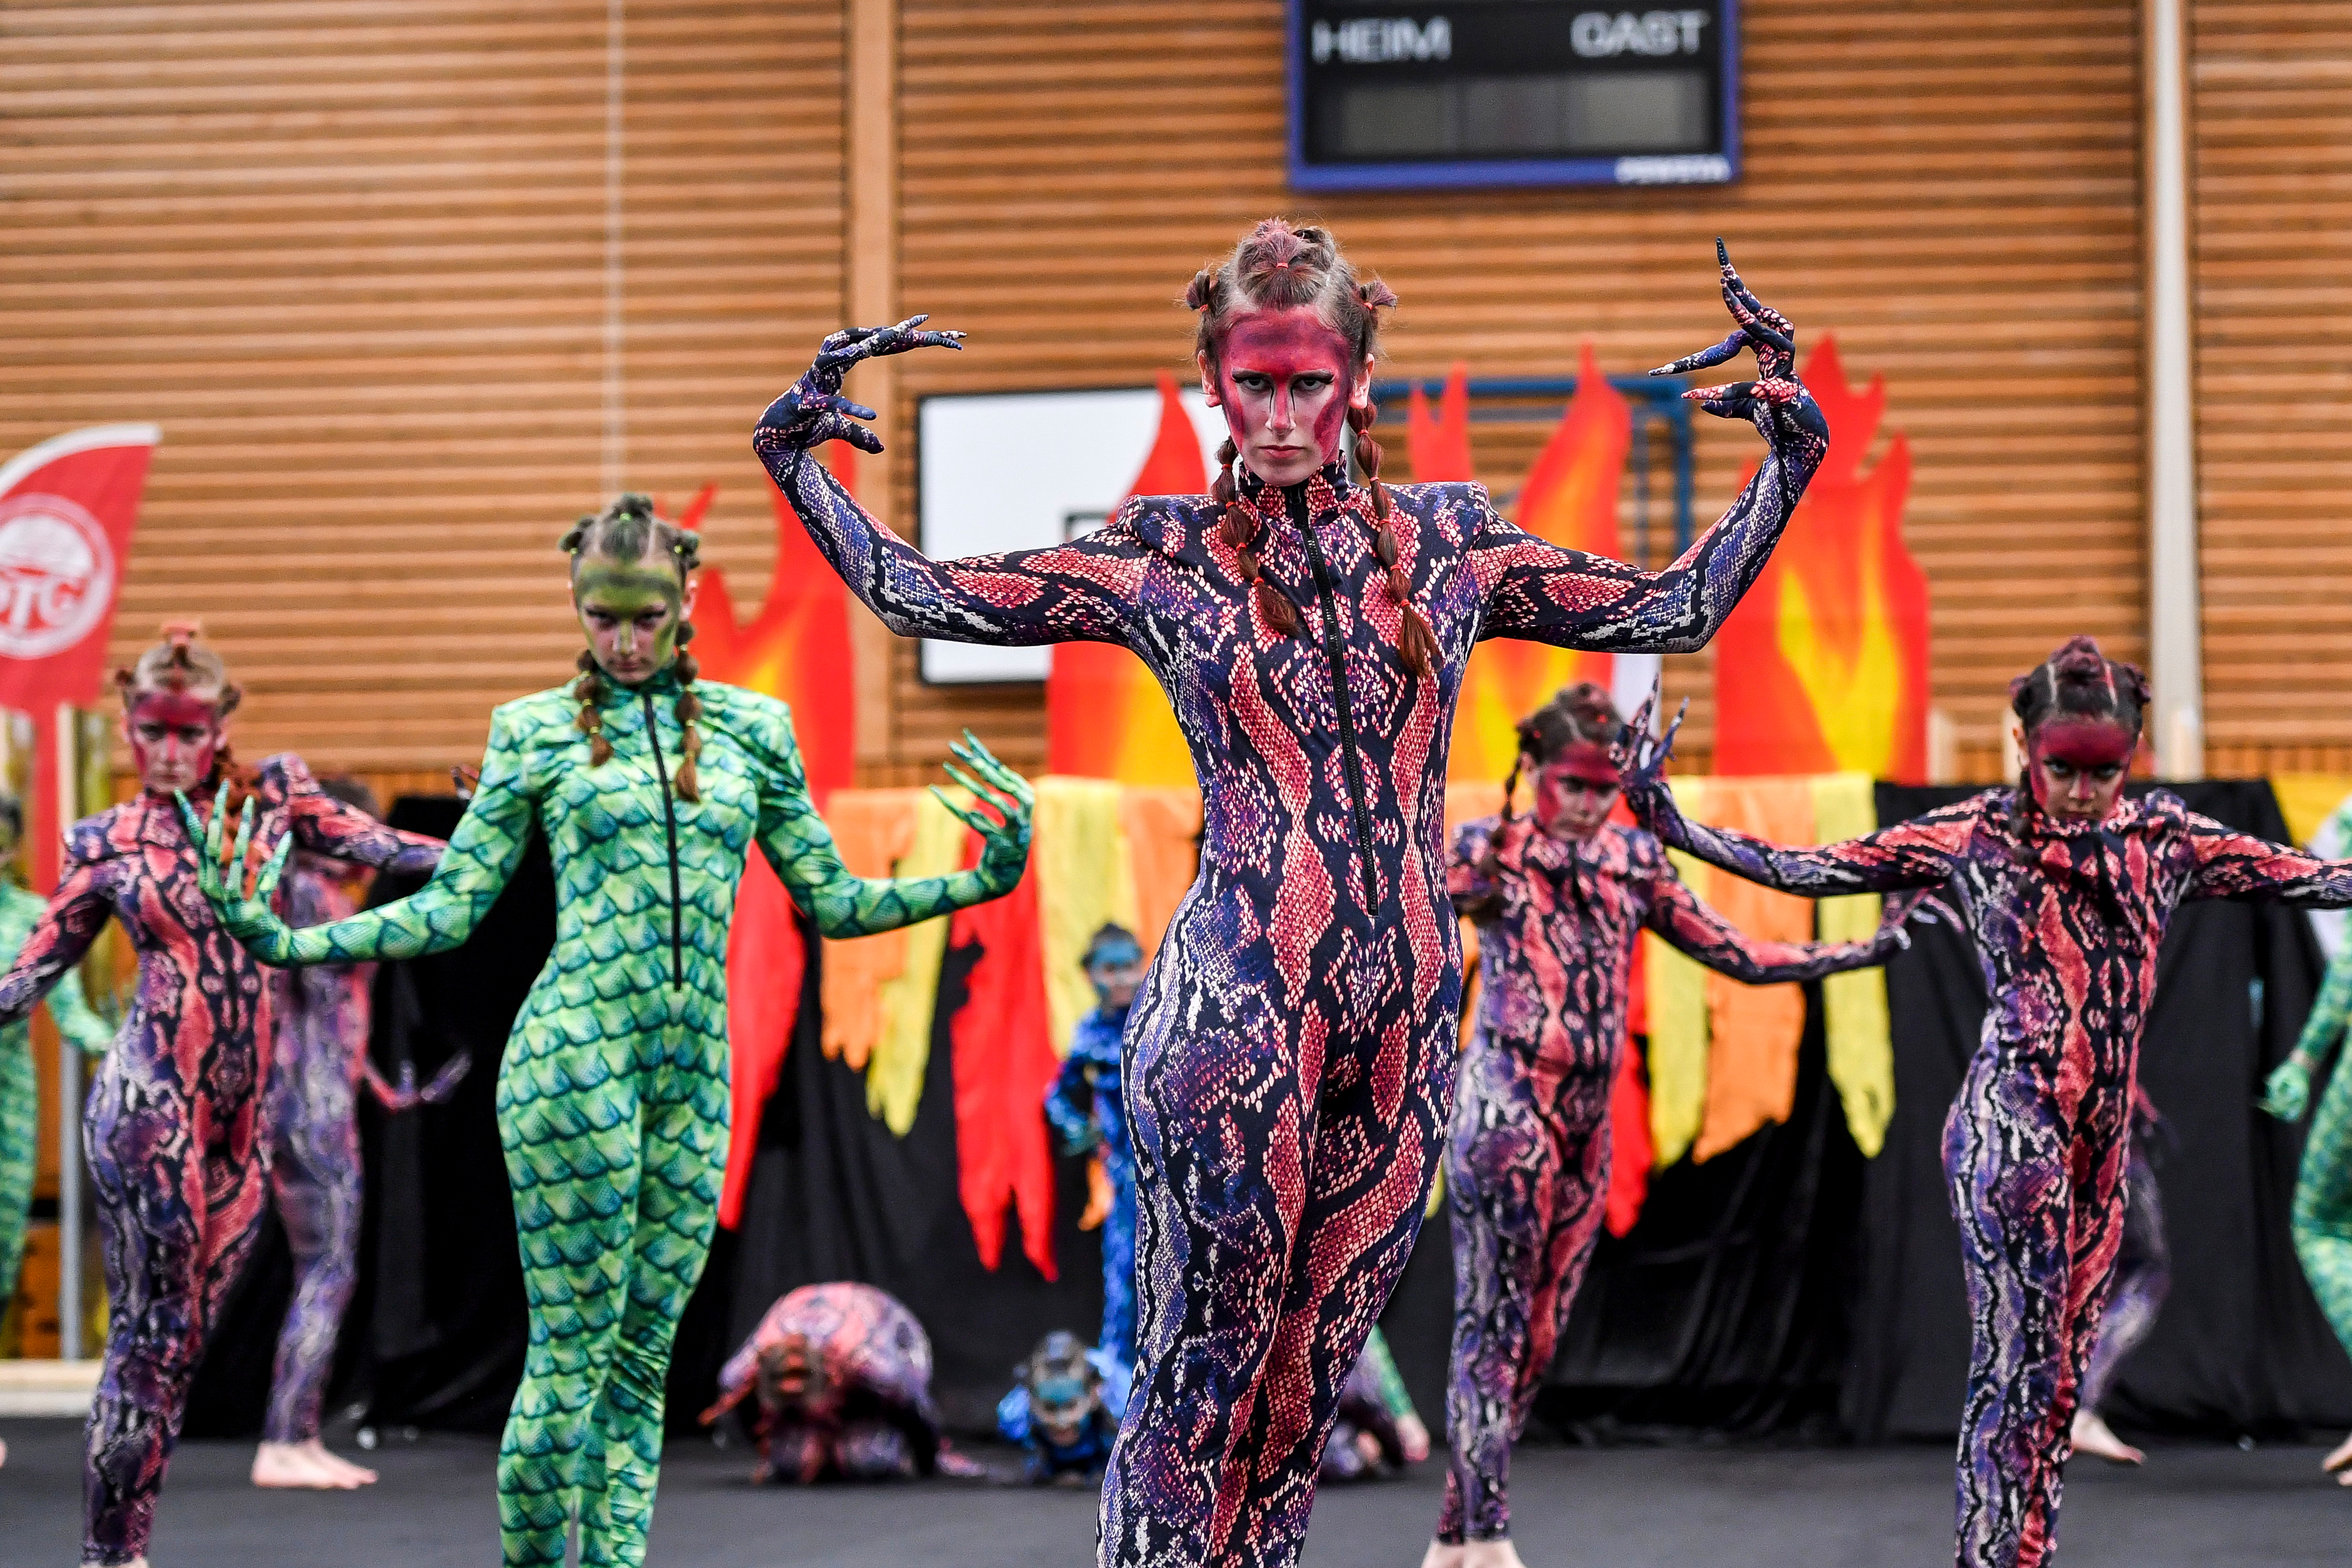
(1289, 1061)
(2067, 888)
(1560, 900)
(171, 1127)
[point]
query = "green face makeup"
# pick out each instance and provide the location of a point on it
(631, 613)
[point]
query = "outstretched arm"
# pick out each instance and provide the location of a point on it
(326, 826)
(1678, 914)
(473, 870)
(1919, 854)
(800, 847)
(1546, 593)
(1081, 591)
(76, 914)
(2232, 864)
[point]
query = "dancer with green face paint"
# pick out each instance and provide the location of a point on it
(613, 1095)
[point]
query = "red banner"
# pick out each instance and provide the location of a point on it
(66, 509)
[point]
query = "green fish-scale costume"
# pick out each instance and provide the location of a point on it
(613, 1097)
(20, 1088)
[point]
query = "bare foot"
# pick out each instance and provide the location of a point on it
(2093, 1436)
(1413, 1438)
(306, 1466)
(1491, 1554)
(1441, 1555)
(2339, 1463)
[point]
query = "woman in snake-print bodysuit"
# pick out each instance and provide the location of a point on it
(1289, 1061)
(1560, 899)
(171, 1128)
(2067, 888)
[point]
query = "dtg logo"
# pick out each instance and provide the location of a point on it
(57, 575)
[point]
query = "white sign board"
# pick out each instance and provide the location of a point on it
(1005, 471)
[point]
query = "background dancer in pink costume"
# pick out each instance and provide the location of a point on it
(1560, 898)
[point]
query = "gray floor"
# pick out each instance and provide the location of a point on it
(1626, 1508)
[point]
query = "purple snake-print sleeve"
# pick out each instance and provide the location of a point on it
(77, 914)
(1082, 591)
(2232, 864)
(1922, 853)
(325, 826)
(1677, 914)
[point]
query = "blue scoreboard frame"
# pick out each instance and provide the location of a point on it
(1378, 26)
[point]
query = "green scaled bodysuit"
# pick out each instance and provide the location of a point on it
(612, 1096)
(20, 1089)
(2323, 1191)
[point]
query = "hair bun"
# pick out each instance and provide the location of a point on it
(1376, 295)
(1201, 291)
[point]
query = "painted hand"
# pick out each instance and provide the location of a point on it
(815, 412)
(245, 913)
(1776, 402)
(1640, 757)
(2287, 1094)
(1005, 838)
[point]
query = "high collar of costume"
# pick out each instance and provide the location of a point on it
(1327, 490)
(664, 682)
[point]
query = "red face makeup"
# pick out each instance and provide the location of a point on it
(2077, 766)
(1576, 792)
(1283, 379)
(175, 738)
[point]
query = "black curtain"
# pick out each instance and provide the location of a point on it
(1787, 1283)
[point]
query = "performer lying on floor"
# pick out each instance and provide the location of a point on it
(2067, 887)
(1289, 1059)
(20, 1086)
(1560, 898)
(649, 787)
(843, 1375)
(171, 1124)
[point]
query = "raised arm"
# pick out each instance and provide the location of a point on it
(76, 914)
(1546, 593)
(799, 846)
(473, 870)
(326, 826)
(1082, 591)
(1919, 854)
(1677, 914)
(2232, 864)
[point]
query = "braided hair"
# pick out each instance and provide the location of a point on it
(2080, 681)
(1278, 267)
(1582, 711)
(630, 530)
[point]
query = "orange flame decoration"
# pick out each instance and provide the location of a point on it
(1824, 667)
(797, 649)
(1569, 498)
(1106, 717)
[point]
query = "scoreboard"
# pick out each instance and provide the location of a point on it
(1512, 93)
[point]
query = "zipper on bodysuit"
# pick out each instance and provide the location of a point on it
(1351, 762)
(669, 820)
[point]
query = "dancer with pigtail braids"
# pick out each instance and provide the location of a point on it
(1289, 1061)
(171, 1126)
(648, 787)
(2067, 888)
(1560, 898)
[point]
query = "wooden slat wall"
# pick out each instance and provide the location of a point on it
(1951, 189)
(353, 260)
(2272, 89)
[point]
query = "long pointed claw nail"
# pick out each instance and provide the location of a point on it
(1722, 256)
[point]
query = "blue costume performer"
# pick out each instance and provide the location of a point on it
(1087, 1114)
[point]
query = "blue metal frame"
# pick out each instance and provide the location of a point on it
(1653, 398)
(1488, 172)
